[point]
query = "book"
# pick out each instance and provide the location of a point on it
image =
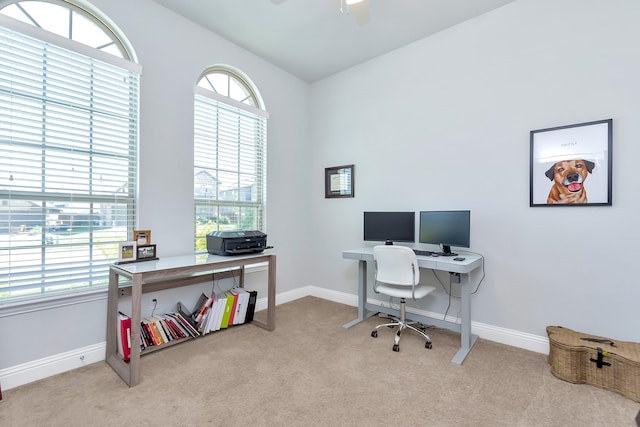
(156, 338)
(210, 322)
(217, 321)
(200, 308)
(185, 313)
(176, 330)
(227, 310)
(124, 336)
(241, 309)
(144, 333)
(251, 305)
(158, 327)
(234, 306)
(185, 323)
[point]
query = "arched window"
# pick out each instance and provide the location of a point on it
(68, 147)
(230, 136)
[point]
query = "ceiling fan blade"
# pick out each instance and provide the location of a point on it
(361, 12)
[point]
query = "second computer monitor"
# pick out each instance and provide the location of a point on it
(445, 228)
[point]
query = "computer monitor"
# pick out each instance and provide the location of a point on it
(445, 228)
(389, 227)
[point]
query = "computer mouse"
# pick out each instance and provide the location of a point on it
(434, 254)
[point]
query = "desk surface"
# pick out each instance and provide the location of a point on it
(188, 261)
(443, 263)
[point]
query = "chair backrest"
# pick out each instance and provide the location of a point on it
(396, 265)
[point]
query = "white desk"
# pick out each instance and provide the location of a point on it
(463, 268)
(165, 273)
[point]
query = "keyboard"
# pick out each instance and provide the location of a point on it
(422, 253)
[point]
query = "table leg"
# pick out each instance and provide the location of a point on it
(362, 294)
(467, 339)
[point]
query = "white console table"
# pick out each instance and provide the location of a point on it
(441, 263)
(165, 273)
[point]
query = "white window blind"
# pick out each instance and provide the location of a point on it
(229, 165)
(68, 165)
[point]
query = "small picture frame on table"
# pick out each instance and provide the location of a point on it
(339, 181)
(146, 253)
(142, 237)
(127, 251)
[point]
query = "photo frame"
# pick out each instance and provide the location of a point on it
(339, 181)
(127, 251)
(146, 253)
(571, 165)
(142, 237)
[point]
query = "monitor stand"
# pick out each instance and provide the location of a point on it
(446, 251)
(388, 243)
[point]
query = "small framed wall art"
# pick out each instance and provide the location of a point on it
(339, 181)
(571, 165)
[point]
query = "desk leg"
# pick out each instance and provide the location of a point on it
(136, 318)
(362, 295)
(270, 324)
(467, 339)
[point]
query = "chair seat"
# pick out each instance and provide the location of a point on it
(404, 291)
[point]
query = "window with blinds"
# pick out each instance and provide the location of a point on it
(68, 163)
(229, 157)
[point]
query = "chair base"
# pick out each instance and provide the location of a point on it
(402, 324)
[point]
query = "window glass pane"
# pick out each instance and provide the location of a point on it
(87, 32)
(77, 25)
(229, 159)
(49, 16)
(68, 156)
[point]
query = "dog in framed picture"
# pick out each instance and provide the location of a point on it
(568, 177)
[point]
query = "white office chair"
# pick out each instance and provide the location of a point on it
(397, 275)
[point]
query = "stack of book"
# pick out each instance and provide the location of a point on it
(211, 313)
(221, 310)
(162, 329)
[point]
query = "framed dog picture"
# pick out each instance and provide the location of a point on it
(571, 165)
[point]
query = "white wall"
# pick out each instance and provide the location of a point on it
(173, 52)
(444, 124)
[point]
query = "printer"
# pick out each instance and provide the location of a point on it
(236, 242)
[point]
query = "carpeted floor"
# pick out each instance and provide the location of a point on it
(312, 372)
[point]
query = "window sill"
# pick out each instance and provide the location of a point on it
(33, 304)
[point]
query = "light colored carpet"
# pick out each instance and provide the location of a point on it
(311, 371)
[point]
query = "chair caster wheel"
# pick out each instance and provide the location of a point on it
(374, 334)
(428, 345)
(396, 347)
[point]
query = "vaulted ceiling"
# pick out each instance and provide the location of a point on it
(313, 39)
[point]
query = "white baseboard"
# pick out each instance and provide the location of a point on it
(46, 367)
(510, 337)
(36, 370)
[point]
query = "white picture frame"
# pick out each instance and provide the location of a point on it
(127, 251)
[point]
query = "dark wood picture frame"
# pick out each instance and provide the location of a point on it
(146, 252)
(571, 165)
(339, 181)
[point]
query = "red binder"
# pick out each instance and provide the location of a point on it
(124, 336)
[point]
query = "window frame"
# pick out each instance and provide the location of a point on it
(249, 104)
(16, 304)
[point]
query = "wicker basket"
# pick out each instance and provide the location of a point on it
(581, 358)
